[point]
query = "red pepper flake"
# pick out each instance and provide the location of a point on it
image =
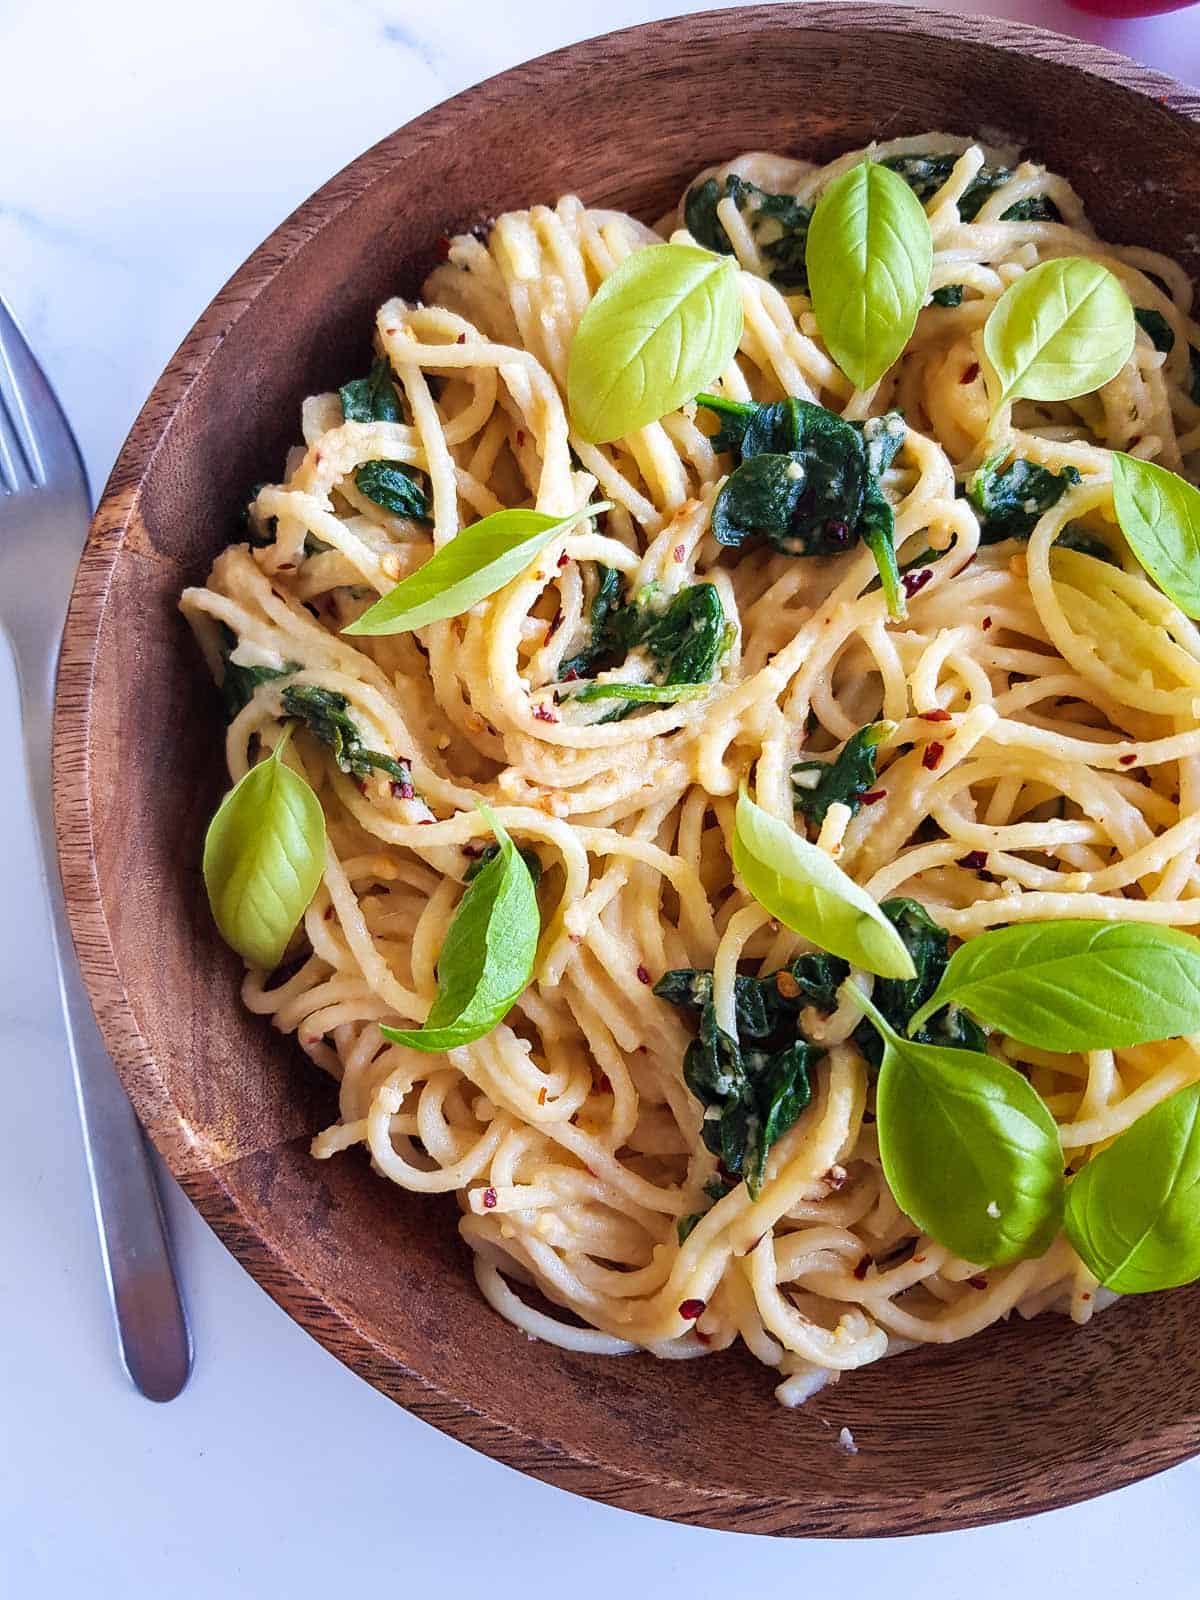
(286, 566)
(401, 789)
(679, 552)
(427, 822)
(931, 759)
(1127, 761)
(328, 913)
(541, 1097)
(691, 1309)
(914, 582)
(978, 1282)
(520, 438)
(935, 716)
(474, 851)
(862, 1268)
(970, 373)
(563, 559)
(544, 714)
(462, 339)
(873, 797)
(974, 859)
(362, 784)
(1085, 1295)
(643, 975)
(571, 677)
(489, 1199)
(443, 247)
(986, 624)
(554, 626)
(605, 1084)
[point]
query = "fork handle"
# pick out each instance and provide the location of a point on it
(152, 1330)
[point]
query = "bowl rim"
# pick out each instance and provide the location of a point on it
(1076, 1477)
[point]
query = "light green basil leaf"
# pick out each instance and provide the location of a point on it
(1159, 514)
(476, 563)
(1133, 1213)
(869, 257)
(264, 854)
(665, 324)
(805, 889)
(487, 958)
(969, 1149)
(1060, 330)
(1074, 985)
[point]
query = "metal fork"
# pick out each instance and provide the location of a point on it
(44, 514)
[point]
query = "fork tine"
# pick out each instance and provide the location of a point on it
(36, 445)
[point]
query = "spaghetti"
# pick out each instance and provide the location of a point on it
(1041, 759)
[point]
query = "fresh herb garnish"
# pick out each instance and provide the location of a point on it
(324, 713)
(1159, 514)
(487, 958)
(238, 683)
(1133, 1213)
(845, 778)
(1074, 985)
(664, 324)
(777, 222)
(264, 854)
(1160, 331)
(898, 999)
(389, 484)
(807, 891)
(1011, 499)
(1062, 329)
(869, 256)
(808, 481)
(969, 1150)
(472, 566)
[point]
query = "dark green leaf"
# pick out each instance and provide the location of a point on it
(949, 295)
(1133, 1213)
(605, 603)
(390, 484)
(897, 999)
(1035, 208)
(846, 778)
(324, 713)
(1011, 499)
(1162, 335)
(259, 535)
(489, 853)
(238, 683)
(777, 222)
(373, 398)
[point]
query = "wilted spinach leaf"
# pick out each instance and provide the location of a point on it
(900, 998)
(1162, 335)
(1010, 499)
(323, 711)
(949, 295)
(389, 484)
(238, 683)
(605, 602)
(778, 223)
(925, 175)
(846, 778)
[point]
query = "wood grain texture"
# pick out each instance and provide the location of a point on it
(1024, 1418)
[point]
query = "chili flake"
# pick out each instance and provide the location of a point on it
(489, 1199)
(931, 758)
(691, 1309)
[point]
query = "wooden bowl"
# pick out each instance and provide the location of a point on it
(1025, 1417)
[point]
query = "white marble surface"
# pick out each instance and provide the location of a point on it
(145, 149)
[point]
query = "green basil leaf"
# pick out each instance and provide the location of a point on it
(1133, 1213)
(870, 253)
(805, 889)
(264, 854)
(487, 958)
(969, 1149)
(661, 326)
(1060, 330)
(1159, 515)
(1074, 985)
(476, 563)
